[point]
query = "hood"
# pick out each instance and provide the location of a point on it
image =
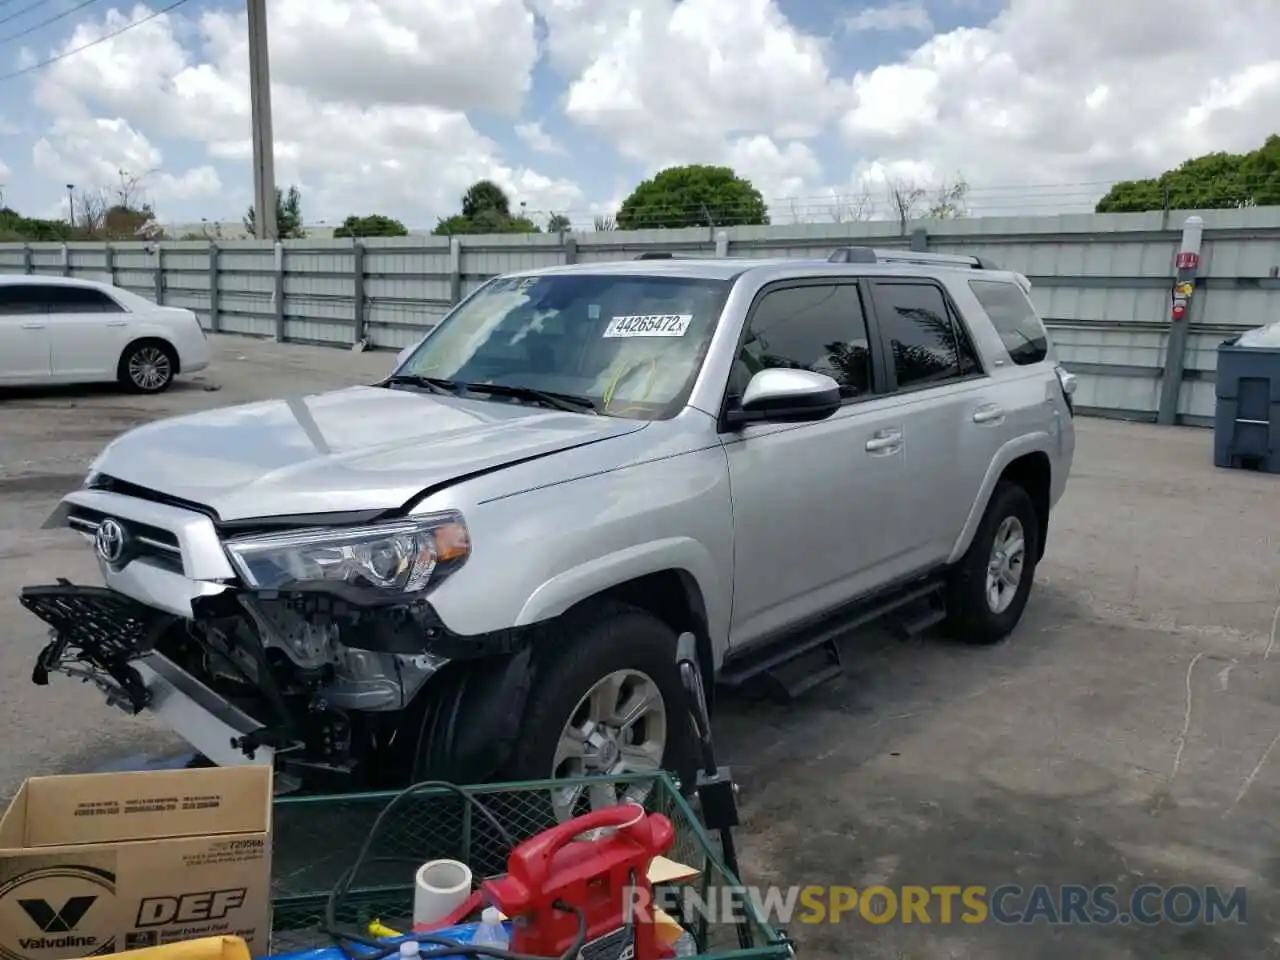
(362, 448)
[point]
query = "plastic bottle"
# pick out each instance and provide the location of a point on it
(491, 932)
(409, 949)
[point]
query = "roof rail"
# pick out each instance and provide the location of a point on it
(874, 255)
(656, 255)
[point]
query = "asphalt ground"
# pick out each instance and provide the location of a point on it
(1128, 734)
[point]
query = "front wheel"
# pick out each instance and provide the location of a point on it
(988, 589)
(606, 700)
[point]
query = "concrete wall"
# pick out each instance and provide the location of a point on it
(1102, 282)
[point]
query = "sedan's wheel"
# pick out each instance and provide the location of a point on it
(618, 727)
(147, 367)
(606, 701)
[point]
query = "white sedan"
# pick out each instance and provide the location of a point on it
(65, 330)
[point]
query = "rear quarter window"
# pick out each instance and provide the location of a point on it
(1015, 320)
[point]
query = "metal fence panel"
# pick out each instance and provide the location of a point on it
(1102, 281)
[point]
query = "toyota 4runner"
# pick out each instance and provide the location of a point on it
(481, 567)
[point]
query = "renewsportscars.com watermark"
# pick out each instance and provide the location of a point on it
(1066, 905)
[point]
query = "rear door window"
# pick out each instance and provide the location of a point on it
(79, 300)
(1015, 319)
(928, 346)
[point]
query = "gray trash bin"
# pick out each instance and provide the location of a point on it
(1246, 431)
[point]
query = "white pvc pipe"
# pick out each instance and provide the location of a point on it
(439, 888)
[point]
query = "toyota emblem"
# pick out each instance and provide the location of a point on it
(110, 540)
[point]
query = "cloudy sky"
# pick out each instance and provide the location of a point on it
(395, 106)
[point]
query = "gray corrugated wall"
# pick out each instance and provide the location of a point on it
(1101, 281)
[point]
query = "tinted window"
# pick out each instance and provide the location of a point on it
(79, 300)
(1014, 318)
(820, 328)
(18, 299)
(922, 339)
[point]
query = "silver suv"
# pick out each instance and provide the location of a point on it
(483, 565)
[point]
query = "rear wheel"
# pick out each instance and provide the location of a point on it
(147, 366)
(988, 589)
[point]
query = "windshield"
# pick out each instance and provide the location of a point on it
(631, 344)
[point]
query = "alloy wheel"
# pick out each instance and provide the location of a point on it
(619, 727)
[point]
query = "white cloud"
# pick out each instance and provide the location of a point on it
(777, 171)
(1062, 96)
(374, 100)
(5, 171)
(538, 139)
(894, 16)
(477, 54)
(98, 154)
(394, 139)
(671, 82)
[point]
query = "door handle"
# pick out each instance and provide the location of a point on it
(885, 441)
(990, 413)
(117, 323)
(33, 326)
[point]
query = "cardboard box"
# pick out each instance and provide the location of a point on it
(99, 863)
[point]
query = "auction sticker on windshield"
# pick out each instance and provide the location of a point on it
(649, 325)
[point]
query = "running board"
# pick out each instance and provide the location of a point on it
(797, 663)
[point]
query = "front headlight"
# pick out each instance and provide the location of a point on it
(402, 556)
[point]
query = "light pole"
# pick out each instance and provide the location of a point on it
(71, 205)
(264, 174)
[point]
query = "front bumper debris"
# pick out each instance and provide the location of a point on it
(97, 633)
(109, 640)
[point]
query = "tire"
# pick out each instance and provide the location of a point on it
(603, 642)
(147, 366)
(972, 615)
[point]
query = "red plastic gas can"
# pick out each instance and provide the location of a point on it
(595, 876)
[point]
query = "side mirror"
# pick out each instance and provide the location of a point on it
(780, 395)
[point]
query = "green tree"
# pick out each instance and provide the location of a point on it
(485, 209)
(557, 223)
(374, 225)
(485, 196)
(695, 195)
(288, 215)
(1215, 181)
(130, 223)
(15, 228)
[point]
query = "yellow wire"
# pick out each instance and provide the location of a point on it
(622, 372)
(613, 385)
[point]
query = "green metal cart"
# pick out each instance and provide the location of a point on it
(317, 839)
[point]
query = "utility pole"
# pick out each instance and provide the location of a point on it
(264, 173)
(71, 205)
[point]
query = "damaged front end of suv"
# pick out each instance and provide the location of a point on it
(302, 644)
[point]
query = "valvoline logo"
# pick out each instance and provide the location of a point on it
(46, 913)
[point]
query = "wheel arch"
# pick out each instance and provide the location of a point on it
(673, 578)
(145, 338)
(1026, 462)
(674, 597)
(466, 721)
